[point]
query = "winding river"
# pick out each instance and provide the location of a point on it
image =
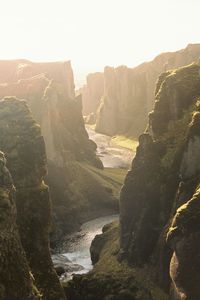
(75, 258)
(112, 155)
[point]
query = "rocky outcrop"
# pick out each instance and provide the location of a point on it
(128, 93)
(49, 91)
(153, 254)
(16, 281)
(165, 175)
(92, 92)
(184, 239)
(21, 141)
(60, 72)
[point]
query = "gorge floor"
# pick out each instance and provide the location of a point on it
(74, 256)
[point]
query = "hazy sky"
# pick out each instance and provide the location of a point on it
(95, 33)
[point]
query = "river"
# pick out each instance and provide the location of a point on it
(75, 257)
(112, 155)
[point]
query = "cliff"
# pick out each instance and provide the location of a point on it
(21, 141)
(49, 91)
(153, 252)
(15, 278)
(92, 92)
(164, 176)
(128, 93)
(61, 72)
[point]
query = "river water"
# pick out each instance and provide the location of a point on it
(112, 155)
(75, 257)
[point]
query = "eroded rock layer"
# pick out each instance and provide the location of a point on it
(153, 253)
(92, 92)
(165, 175)
(128, 93)
(49, 91)
(16, 281)
(21, 141)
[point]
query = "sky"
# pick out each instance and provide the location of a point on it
(96, 33)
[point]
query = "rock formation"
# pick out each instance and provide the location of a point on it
(165, 175)
(153, 254)
(128, 93)
(16, 281)
(49, 91)
(21, 141)
(92, 92)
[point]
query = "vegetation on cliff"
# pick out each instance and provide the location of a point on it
(21, 141)
(49, 91)
(16, 280)
(158, 238)
(174, 129)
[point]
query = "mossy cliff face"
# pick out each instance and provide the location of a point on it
(111, 280)
(21, 140)
(49, 91)
(143, 179)
(16, 281)
(165, 174)
(128, 93)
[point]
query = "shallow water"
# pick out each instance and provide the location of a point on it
(112, 155)
(76, 255)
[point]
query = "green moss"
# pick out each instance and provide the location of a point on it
(186, 219)
(125, 142)
(115, 279)
(194, 126)
(90, 192)
(176, 94)
(27, 164)
(175, 138)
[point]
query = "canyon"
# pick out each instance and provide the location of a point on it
(151, 252)
(121, 104)
(72, 176)
(58, 177)
(26, 268)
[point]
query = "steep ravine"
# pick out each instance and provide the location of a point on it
(119, 99)
(151, 253)
(75, 173)
(26, 210)
(74, 256)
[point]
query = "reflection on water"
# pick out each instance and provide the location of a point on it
(76, 257)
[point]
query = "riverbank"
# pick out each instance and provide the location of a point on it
(114, 152)
(75, 255)
(111, 279)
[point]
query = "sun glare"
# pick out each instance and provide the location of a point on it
(94, 33)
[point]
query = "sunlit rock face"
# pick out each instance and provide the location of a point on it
(160, 198)
(49, 90)
(92, 92)
(128, 93)
(61, 72)
(15, 278)
(23, 144)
